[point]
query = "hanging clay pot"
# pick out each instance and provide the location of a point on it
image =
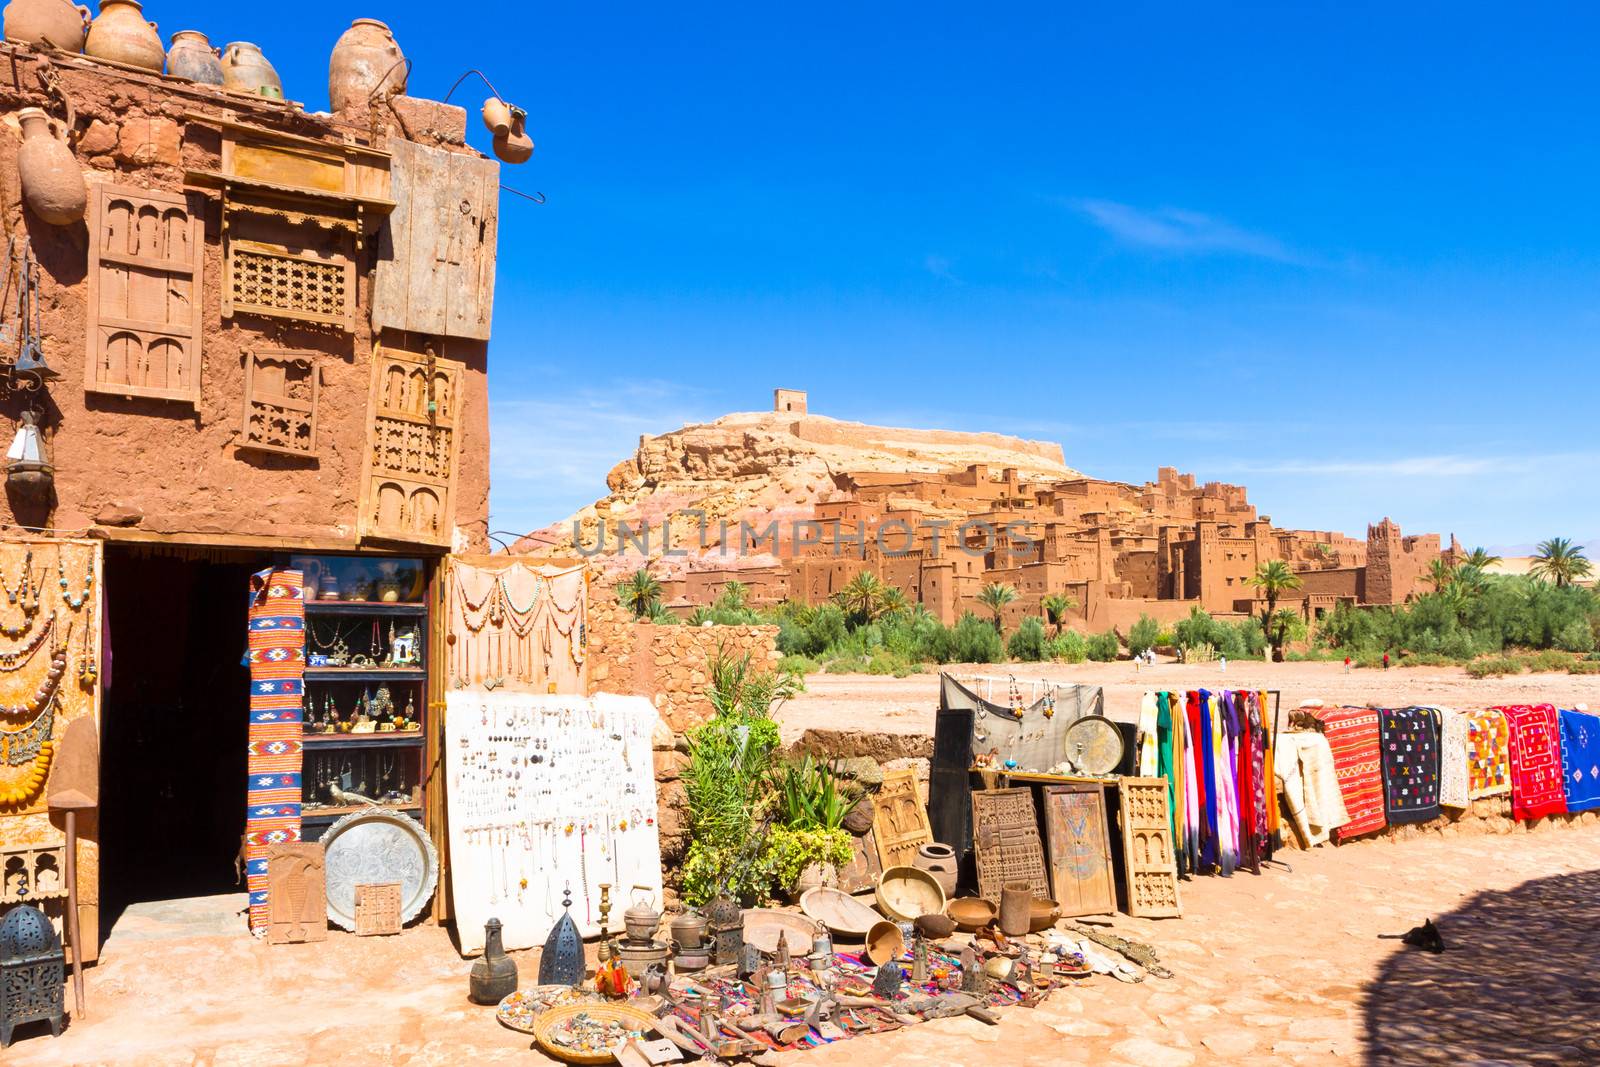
(47, 23)
(122, 35)
(497, 115)
(246, 69)
(515, 146)
(52, 183)
(365, 59)
(191, 56)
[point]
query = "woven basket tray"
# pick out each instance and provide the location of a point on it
(546, 1025)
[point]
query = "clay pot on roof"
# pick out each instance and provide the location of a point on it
(122, 35)
(365, 59)
(191, 56)
(47, 23)
(246, 69)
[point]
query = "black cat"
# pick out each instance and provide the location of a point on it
(1426, 937)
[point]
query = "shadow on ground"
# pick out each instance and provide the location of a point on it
(1518, 982)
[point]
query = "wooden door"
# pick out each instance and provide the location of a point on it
(899, 821)
(1079, 836)
(1149, 869)
(1005, 837)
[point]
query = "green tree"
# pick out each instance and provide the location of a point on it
(1480, 558)
(1056, 606)
(1142, 635)
(640, 593)
(733, 596)
(1560, 561)
(863, 596)
(1273, 578)
(1028, 643)
(894, 603)
(995, 597)
(1440, 574)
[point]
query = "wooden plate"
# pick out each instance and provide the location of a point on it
(763, 927)
(552, 1021)
(838, 911)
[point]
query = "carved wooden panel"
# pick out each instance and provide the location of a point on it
(1082, 881)
(31, 874)
(436, 257)
(1005, 840)
(1150, 872)
(865, 865)
(899, 821)
(146, 250)
(377, 909)
(412, 443)
(280, 402)
(297, 894)
(277, 278)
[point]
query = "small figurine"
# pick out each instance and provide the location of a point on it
(971, 972)
(919, 961)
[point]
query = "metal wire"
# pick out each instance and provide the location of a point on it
(465, 76)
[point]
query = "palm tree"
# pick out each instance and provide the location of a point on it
(863, 596)
(640, 593)
(1273, 578)
(732, 597)
(893, 603)
(995, 597)
(1480, 558)
(1560, 561)
(1440, 574)
(1056, 606)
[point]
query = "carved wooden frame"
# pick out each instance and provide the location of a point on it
(1150, 873)
(1062, 860)
(288, 259)
(442, 427)
(898, 843)
(253, 397)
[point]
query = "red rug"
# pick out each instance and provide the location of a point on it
(1352, 733)
(1536, 780)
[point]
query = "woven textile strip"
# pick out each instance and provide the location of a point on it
(1453, 790)
(276, 658)
(1488, 754)
(1535, 761)
(1352, 734)
(1410, 746)
(1580, 760)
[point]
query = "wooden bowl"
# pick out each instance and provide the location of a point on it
(548, 1023)
(906, 892)
(971, 913)
(935, 926)
(885, 942)
(1042, 914)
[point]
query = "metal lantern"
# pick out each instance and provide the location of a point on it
(725, 921)
(32, 971)
(561, 962)
(28, 466)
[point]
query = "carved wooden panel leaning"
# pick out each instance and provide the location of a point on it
(146, 251)
(410, 467)
(436, 259)
(1150, 871)
(377, 909)
(1006, 844)
(297, 893)
(280, 402)
(899, 821)
(1081, 873)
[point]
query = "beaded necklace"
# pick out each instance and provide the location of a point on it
(75, 603)
(16, 659)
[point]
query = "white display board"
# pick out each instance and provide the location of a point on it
(545, 794)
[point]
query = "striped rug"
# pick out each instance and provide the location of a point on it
(276, 659)
(1352, 734)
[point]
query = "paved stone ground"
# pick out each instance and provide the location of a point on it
(1288, 967)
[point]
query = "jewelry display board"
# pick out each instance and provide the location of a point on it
(50, 615)
(1149, 867)
(516, 625)
(899, 821)
(1081, 872)
(1006, 839)
(547, 794)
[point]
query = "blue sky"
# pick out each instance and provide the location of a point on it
(1344, 254)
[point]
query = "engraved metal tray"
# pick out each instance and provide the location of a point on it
(378, 846)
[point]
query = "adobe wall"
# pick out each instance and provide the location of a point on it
(167, 467)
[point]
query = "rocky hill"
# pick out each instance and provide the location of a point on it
(759, 466)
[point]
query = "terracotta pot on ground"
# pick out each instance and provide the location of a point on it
(123, 35)
(365, 58)
(939, 861)
(246, 69)
(1016, 908)
(52, 23)
(191, 56)
(52, 183)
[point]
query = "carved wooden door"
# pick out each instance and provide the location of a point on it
(1150, 870)
(146, 250)
(899, 821)
(1081, 873)
(1005, 840)
(412, 442)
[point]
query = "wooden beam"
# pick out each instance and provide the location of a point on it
(263, 542)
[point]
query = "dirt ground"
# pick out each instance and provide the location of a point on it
(1285, 967)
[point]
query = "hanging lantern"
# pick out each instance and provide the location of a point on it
(32, 972)
(561, 963)
(725, 920)
(28, 466)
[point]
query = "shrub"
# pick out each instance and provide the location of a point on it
(1103, 648)
(846, 665)
(1028, 643)
(1576, 636)
(1549, 660)
(972, 640)
(1583, 666)
(1494, 667)
(1144, 635)
(798, 665)
(1068, 647)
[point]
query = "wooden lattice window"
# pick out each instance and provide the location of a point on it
(146, 252)
(280, 403)
(279, 280)
(412, 443)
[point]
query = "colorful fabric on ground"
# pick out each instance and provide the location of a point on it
(1453, 784)
(1352, 734)
(1580, 759)
(1410, 747)
(276, 658)
(1488, 754)
(1536, 787)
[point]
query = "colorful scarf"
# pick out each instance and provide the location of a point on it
(276, 658)
(1409, 738)
(1148, 742)
(1226, 769)
(1535, 761)
(1488, 754)
(1453, 791)
(1208, 776)
(1352, 735)
(1580, 760)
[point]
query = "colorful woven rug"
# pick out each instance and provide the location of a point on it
(1535, 761)
(1452, 758)
(1488, 754)
(1580, 759)
(1352, 734)
(276, 658)
(1410, 745)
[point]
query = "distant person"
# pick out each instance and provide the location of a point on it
(1386, 661)
(1347, 665)
(1223, 660)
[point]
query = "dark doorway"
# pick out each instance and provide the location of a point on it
(174, 725)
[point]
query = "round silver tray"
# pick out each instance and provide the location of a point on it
(378, 846)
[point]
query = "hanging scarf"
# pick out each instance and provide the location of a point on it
(1535, 761)
(1227, 807)
(1209, 841)
(1147, 738)
(1167, 767)
(1191, 785)
(1269, 776)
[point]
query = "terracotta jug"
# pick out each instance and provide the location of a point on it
(52, 183)
(191, 56)
(53, 23)
(939, 861)
(514, 146)
(365, 58)
(122, 35)
(246, 69)
(497, 115)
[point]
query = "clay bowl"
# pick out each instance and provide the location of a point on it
(885, 942)
(971, 913)
(1042, 914)
(935, 927)
(906, 892)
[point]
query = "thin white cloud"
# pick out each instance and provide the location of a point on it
(1182, 232)
(940, 267)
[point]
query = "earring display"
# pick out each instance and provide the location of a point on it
(546, 792)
